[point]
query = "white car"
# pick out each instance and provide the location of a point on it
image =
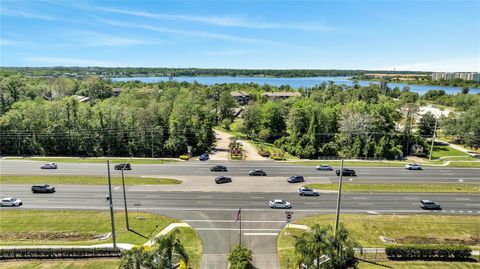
(11, 201)
(279, 204)
(324, 167)
(49, 166)
(413, 166)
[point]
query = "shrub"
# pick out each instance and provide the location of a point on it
(240, 258)
(264, 153)
(57, 253)
(184, 157)
(443, 252)
(278, 158)
(236, 157)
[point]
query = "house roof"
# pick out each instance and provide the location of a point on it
(282, 94)
(239, 94)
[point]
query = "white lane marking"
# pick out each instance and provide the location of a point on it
(311, 203)
(204, 197)
(204, 202)
(373, 213)
(447, 174)
(359, 198)
(257, 203)
(470, 211)
(115, 189)
(462, 199)
(461, 211)
(234, 229)
(228, 221)
(410, 198)
(365, 203)
(256, 197)
(472, 204)
(260, 234)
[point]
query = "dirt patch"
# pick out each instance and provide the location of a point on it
(471, 240)
(46, 236)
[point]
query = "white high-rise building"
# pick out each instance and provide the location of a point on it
(461, 75)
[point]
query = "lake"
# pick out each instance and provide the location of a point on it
(294, 82)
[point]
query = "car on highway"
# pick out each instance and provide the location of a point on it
(324, 167)
(427, 204)
(279, 204)
(43, 188)
(218, 168)
(295, 179)
(413, 166)
(257, 172)
(204, 157)
(124, 166)
(223, 179)
(346, 172)
(304, 191)
(11, 201)
(49, 166)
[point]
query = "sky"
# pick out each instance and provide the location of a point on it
(372, 35)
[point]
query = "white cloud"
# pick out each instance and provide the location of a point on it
(227, 52)
(452, 65)
(62, 61)
(13, 43)
(16, 13)
(96, 39)
(222, 21)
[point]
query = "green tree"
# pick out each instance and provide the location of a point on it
(240, 258)
(426, 124)
(137, 258)
(168, 245)
(312, 244)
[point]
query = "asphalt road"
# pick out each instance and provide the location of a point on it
(213, 214)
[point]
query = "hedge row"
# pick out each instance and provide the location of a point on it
(444, 252)
(57, 253)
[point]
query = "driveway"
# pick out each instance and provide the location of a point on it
(220, 151)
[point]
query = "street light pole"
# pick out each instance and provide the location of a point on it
(125, 198)
(339, 197)
(110, 202)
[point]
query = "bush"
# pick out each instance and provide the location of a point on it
(184, 157)
(264, 153)
(57, 253)
(443, 252)
(278, 158)
(240, 258)
(236, 157)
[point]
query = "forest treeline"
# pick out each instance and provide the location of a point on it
(85, 117)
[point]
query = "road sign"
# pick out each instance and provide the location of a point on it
(289, 216)
(137, 204)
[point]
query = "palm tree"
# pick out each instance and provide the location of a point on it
(312, 244)
(343, 248)
(136, 258)
(168, 245)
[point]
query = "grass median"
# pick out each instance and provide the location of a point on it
(86, 180)
(404, 229)
(406, 187)
(94, 160)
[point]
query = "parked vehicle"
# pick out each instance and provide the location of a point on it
(346, 172)
(124, 166)
(257, 172)
(295, 179)
(223, 179)
(304, 191)
(43, 188)
(324, 167)
(413, 166)
(11, 201)
(427, 204)
(218, 168)
(204, 157)
(49, 166)
(279, 204)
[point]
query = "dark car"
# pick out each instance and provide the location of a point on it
(346, 172)
(124, 166)
(257, 172)
(295, 179)
(427, 204)
(218, 168)
(204, 157)
(222, 179)
(43, 188)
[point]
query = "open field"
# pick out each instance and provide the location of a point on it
(86, 180)
(62, 264)
(353, 187)
(62, 227)
(406, 229)
(113, 160)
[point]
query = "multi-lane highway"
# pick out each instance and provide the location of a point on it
(211, 208)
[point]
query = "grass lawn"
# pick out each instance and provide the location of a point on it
(446, 151)
(62, 264)
(408, 229)
(94, 160)
(421, 265)
(336, 164)
(86, 180)
(74, 227)
(465, 164)
(352, 187)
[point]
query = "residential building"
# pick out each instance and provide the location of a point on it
(242, 98)
(460, 75)
(281, 95)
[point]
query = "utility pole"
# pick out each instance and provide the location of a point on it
(433, 138)
(337, 217)
(125, 198)
(151, 140)
(112, 220)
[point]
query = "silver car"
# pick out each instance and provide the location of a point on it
(304, 191)
(413, 166)
(11, 201)
(324, 167)
(49, 166)
(279, 204)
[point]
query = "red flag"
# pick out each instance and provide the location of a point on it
(239, 215)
